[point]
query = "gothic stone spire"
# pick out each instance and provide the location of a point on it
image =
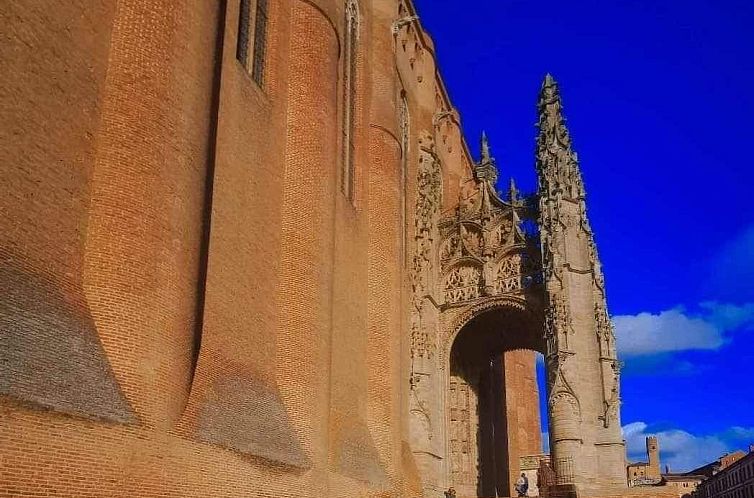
(557, 163)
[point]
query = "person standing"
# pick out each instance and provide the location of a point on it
(522, 485)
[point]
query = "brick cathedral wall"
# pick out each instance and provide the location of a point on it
(235, 400)
(275, 377)
(385, 258)
(305, 288)
(353, 453)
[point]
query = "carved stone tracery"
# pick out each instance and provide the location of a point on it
(463, 283)
(484, 252)
(428, 202)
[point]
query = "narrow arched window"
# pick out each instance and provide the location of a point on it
(254, 42)
(260, 42)
(405, 140)
(349, 97)
(242, 43)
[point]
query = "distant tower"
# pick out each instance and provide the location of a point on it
(653, 453)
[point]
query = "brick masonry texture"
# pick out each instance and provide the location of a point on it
(65, 372)
(190, 305)
(51, 95)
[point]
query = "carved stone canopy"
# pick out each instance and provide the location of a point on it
(485, 247)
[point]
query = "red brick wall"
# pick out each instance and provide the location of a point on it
(181, 261)
(55, 58)
(144, 229)
(385, 261)
(235, 400)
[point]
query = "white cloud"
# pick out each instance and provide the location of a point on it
(678, 330)
(667, 331)
(630, 431)
(729, 316)
(680, 450)
(744, 434)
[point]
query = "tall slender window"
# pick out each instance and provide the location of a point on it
(254, 44)
(349, 96)
(260, 42)
(405, 138)
(242, 45)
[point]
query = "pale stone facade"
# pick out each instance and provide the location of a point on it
(501, 274)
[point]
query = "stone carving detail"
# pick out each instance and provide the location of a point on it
(557, 163)
(472, 240)
(558, 386)
(462, 431)
(558, 325)
(501, 235)
(604, 328)
(463, 283)
(352, 14)
(451, 248)
(611, 379)
(610, 367)
(509, 275)
(484, 252)
(428, 202)
(419, 405)
(515, 273)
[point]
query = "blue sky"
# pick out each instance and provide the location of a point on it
(659, 96)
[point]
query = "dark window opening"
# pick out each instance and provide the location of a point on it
(260, 42)
(242, 46)
(349, 101)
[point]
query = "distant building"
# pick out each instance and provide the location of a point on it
(734, 480)
(721, 463)
(684, 484)
(646, 473)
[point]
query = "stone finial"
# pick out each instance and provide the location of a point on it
(486, 168)
(512, 191)
(486, 157)
(557, 163)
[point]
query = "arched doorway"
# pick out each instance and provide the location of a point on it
(492, 275)
(492, 411)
